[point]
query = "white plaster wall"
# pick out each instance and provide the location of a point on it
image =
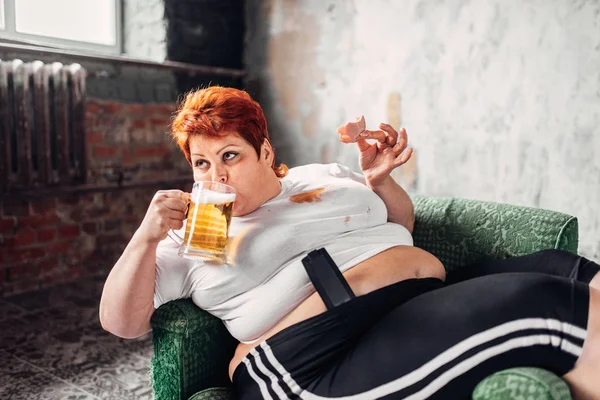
(501, 98)
(144, 29)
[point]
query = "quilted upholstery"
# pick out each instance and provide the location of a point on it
(460, 232)
(192, 348)
(213, 394)
(522, 383)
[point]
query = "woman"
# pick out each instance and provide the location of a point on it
(407, 334)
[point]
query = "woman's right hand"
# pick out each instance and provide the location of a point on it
(166, 211)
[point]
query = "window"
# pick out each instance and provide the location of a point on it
(83, 24)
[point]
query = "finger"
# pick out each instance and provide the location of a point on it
(363, 145)
(403, 158)
(184, 196)
(403, 137)
(380, 136)
(392, 134)
(163, 195)
(399, 148)
(174, 223)
(173, 214)
(175, 204)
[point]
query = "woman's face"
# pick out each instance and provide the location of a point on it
(231, 160)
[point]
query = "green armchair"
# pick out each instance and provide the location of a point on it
(192, 349)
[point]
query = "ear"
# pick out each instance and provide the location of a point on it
(266, 153)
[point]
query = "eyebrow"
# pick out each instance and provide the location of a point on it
(222, 148)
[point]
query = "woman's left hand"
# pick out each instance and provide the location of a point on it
(379, 159)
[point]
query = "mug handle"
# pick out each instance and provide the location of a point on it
(175, 237)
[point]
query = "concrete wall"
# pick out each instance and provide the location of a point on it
(501, 98)
(144, 29)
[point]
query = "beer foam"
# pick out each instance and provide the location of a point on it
(206, 196)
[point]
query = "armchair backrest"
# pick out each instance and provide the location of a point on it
(461, 231)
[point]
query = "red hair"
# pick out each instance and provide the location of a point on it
(217, 109)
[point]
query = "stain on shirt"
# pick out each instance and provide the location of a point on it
(308, 197)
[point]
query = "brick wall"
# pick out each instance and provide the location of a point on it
(53, 236)
(129, 143)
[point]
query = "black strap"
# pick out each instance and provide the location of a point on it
(327, 278)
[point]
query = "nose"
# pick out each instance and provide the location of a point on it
(219, 174)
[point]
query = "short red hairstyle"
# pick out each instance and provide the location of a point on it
(214, 110)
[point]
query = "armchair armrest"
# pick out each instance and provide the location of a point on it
(192, 350)
(461, 231)
(524, 383)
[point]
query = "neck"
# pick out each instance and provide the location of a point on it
(272, 186)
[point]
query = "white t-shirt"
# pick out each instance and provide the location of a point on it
(264, 278)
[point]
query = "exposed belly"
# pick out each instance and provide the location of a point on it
(388, 267)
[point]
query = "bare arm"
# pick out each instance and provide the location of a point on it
(127, 301)
(399, 205)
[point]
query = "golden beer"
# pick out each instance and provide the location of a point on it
(207, 227)
(208, 219)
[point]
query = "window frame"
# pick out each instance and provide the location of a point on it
(10, 33)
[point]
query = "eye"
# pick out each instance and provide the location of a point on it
(230, 155)
(200, 164)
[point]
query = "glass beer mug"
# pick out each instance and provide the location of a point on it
(208, 220)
